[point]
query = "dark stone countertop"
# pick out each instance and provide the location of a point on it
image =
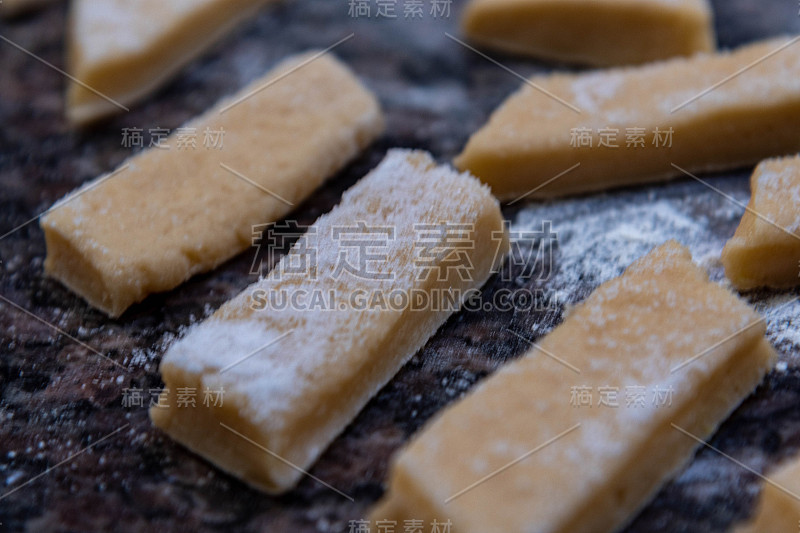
(57, 397)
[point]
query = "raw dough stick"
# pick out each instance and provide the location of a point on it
(778, 510)
(295, 395)
(125, 49)
(577, 436)
(12, 8)
(603, 33)
(532, 138)
(765, 250)
(169, 213)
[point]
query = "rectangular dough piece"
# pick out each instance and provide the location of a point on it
(631, 31)
(777, 511)
(167, 214)
(125, 49)
(719, 119)
(519, 454)
(294, 396)
(13, 8)
(765, 250)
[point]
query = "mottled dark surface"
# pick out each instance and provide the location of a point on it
(58, 397)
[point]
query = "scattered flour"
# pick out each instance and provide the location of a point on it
(598, 237)
(782, 313)
(596, 242)
(146, 357)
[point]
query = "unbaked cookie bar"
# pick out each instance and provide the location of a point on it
(12, 8)
(189, 202)
(299, 353)
(574, 133)
(121, 50)
(581, 432)
(603, 33)
(765, 250)
(778, 508)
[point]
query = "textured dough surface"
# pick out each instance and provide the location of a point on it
(125, 49)
(532, 137)
(765, 250)
(602, 33)
(296, 395)
(778, 510)
(168, 214)
(609, 461)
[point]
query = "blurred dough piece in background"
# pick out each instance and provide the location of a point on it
(765, 250)
(592, 32)
(778, 507)
(632, 125)
(13, 8)
(122, 50)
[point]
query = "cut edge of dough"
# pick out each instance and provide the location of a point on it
(66, 264)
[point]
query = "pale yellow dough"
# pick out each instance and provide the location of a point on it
(294, 396)
(778, 508)
(519, 455)
(593, 32)
(765, 250)
(125, 49)
(719, 119)
(169, 213)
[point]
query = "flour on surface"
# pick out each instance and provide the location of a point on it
(598, 237)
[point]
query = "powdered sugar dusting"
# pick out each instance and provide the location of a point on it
(269, 358)
(592, 91)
